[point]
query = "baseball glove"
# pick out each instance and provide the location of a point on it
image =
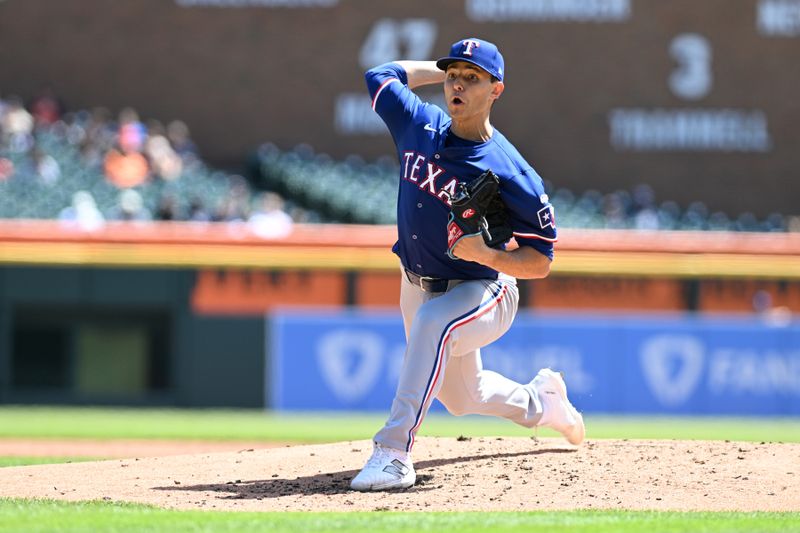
(476, 208)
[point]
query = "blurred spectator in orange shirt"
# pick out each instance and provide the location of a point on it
(126, 168)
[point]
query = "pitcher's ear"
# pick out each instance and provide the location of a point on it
(497, 89)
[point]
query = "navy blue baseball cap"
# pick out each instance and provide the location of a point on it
(478, 52)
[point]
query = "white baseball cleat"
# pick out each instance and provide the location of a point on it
(557, 412)
(387, 469)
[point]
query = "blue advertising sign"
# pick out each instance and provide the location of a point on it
(623, 364)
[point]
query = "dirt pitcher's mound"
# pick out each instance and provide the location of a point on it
(452, 475)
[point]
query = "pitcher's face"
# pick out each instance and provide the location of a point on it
(469, 90)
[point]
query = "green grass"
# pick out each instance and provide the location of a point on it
(46, 515)
(24, 461)
(257, 425)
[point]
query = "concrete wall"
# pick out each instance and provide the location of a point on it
(65, 334)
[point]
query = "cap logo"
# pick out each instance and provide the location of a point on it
(469, 44)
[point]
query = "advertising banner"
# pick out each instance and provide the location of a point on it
(621, 364)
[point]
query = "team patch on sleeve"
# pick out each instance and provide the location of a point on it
(547, 217)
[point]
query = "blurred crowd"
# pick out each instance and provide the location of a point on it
(639, 209)
(353, 190)
(88, 167)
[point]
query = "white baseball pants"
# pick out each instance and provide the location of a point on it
(444, 333)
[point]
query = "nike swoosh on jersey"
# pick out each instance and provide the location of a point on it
(429, 127)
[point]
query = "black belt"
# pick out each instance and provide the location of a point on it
(426, 283)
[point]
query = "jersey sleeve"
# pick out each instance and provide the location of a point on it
(531, 215)
(391, 98)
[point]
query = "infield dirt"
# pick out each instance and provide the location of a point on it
(452, 475)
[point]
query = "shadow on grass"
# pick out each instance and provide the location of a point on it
(335, 482)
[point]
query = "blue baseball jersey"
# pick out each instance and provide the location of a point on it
(432, 162)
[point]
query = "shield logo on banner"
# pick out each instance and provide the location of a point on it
(672, 366)
(350, 362)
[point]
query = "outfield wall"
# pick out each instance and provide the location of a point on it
(121, 336)
(174, 314)
(663, 364)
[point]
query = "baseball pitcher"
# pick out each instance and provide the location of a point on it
(464, 192)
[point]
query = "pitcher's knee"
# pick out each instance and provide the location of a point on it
(456, 408)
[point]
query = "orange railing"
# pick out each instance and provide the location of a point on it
(581, 252)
